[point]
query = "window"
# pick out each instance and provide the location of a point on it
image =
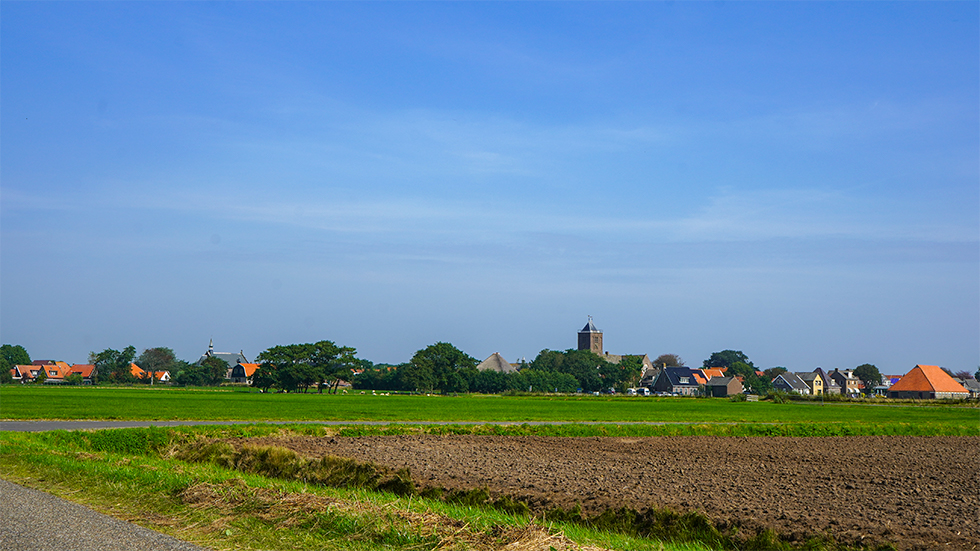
(685, 380)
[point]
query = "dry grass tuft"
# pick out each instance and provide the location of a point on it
(234, 496)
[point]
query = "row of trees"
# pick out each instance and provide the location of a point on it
(321, 364)
(114, 366)
(443, 367)
(439, 367)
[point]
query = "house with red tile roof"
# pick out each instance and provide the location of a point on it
(927, 382)
(140, 373)
(85, 371)
(712, 372)
(54, 372)
(23, 373)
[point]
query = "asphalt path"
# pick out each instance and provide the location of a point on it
(37, 521)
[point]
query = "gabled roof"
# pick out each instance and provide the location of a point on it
(24, 371)
(85, 370)
(137, 371)
(230, 358)
(927, 378)
(828, 382)
(795, 380)
(54, 370)
(720, 381)
(712, 372)
(496, 362)
(675, 374)
(250, 368)
(971, 384)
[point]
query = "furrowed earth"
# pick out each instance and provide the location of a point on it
(917, 493)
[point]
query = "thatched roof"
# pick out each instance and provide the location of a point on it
(496, 362)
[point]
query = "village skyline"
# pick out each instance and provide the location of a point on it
(798, 181)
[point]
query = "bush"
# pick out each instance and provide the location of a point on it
(777, 397)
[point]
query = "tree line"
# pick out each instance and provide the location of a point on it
(440, 367)
(444, 368)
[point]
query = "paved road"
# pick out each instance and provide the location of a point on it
(36, 521)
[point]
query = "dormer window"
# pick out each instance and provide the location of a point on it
(685, 380)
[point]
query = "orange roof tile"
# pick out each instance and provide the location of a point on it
(85, 370)
(249, 368)
(25, 370)
(713, 372)
(55, 370)
(137, 371)
(927, 378)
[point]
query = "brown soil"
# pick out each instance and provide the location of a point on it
(918, 493)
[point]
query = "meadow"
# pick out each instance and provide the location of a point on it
(167, 403)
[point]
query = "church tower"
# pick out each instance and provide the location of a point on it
(590, 338)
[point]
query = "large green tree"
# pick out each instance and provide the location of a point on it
(441, 366)
(625, 374)
(210, 372)
(587, 367)
(750, 379)
(869, 375)
(668, 360)
(726, 358)
(774, 372)
(13, 354)
(153, 360)
(321, 364)
(114, 366)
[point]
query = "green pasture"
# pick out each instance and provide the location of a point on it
(140, 403)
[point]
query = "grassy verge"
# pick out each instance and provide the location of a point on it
(186, 483)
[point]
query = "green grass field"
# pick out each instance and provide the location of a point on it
(140, 403)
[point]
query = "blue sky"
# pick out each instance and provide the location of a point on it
(799, 181)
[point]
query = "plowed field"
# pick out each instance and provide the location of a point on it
(916, 492)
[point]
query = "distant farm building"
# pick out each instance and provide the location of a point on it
(496, 362)
(927, 382)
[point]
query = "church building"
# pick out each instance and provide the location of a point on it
(590, 338)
